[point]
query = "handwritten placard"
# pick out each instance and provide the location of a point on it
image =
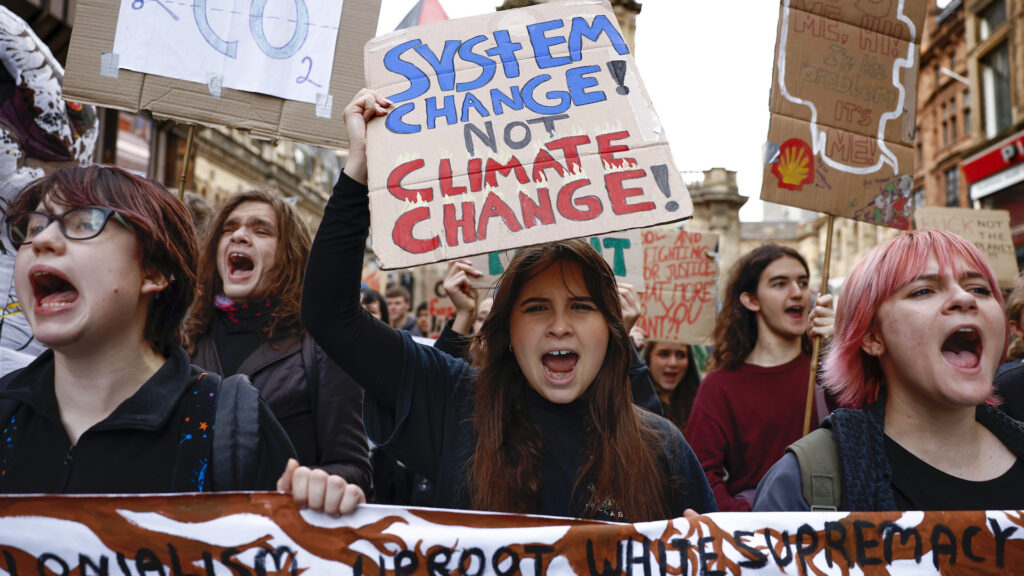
(623, 251)
(840, 138)
(681, 275)
(263, 533)
(510, 129)
(284, 49)
(989, 230)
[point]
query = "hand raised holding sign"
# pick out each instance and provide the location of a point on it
(366, 104)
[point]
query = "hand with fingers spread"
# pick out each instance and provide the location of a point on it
(631, 306)
(365, 105)
(822, 319)
(457, 286)
(320, 491)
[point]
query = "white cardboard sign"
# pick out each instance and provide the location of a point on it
(282, 48)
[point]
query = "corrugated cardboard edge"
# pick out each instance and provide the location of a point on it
(188, 102)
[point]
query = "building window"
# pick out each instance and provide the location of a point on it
(952, 61)
(967, 112)
(991, 18)
(945, 125)
(918, 198)
(952, 120)
(953, 186)
(995, 87)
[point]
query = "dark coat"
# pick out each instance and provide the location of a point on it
(137, 447)
(325, 424)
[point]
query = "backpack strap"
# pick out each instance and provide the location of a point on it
(236, 439)
(195, 437)
(820, 480)
(313, 384)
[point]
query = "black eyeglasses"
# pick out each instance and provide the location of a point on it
(77, 224)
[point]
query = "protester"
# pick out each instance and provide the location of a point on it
(422, 327)
(542, 423)
(751, 406)
(1015, 317)
(105, 271)
(920, 331)
(245, 320)
(675, 378)
(374, 303)
(399, 301)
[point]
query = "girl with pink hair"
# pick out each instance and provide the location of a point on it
(920, 331)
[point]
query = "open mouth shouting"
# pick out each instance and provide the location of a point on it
(240, 266)
(962, 348)
(52, 290)
(560, 365)
(795, 313)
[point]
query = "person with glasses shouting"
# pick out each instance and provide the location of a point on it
(105, 271)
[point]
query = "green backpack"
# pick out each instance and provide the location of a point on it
(820, 481)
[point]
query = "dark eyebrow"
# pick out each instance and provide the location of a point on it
(534, 300)
(784, 277)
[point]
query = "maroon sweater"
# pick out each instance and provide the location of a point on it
(742, 421)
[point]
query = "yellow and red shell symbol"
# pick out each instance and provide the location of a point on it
(795, 165)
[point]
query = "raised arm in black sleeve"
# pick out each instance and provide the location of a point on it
(366, 348)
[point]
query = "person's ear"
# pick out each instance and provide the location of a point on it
(749, 302)
(872, 343)
(154, 282)
(1016, 328)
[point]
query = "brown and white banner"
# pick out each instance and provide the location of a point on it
(263, 533)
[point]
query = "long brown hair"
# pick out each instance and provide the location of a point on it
(159, 221)
(736, 328)
(680, 400)
(285, 280)
(622, 460)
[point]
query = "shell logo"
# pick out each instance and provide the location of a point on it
(795, 165)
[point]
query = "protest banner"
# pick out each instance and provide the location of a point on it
(681, 275)
(623, 251)
(510, 129)
(277, 70)
(989, 230)
(843, 109)
(264, 533)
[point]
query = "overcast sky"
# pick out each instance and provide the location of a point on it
(707, 69)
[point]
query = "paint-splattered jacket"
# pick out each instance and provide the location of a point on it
(167, 437)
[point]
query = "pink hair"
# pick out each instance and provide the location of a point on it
(852, 375)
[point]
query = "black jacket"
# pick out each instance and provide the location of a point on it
(314, 400)
(136, 448)
(419, 400)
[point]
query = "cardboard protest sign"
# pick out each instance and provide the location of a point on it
(623, 251)
(510, 129)
(264, 533)
(681, 274)
(989, 230)
(439, 305)
(293, 40)
(315, 60)
(843, 109)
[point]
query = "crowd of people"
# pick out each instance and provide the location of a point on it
(253, 359)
